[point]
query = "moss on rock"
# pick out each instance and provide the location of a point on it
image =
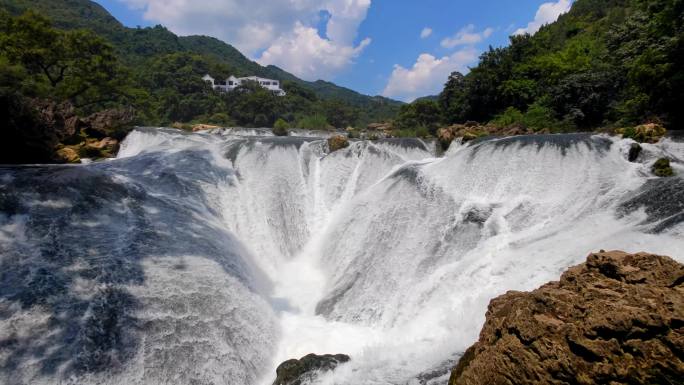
(337, 142)
(662, 168)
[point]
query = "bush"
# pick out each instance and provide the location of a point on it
(221, 119)
(539, 117)
(512, 116)
(280, 127)
(314, 122)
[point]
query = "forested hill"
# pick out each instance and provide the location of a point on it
(606, 64)
(143, 50)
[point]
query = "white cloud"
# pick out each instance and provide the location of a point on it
(467, 36)
(309, 56)
(547, 13)
(277, 32)
(428, 74)
(425, 33)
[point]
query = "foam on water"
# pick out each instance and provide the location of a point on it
(211, 258)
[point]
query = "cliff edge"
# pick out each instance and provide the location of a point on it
(618, 318)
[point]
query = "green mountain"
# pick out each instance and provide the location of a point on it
(138, 44)
(604, 63)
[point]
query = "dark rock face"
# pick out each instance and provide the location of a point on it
(298, 372)
(634, 151)
(32, 129)
(616, 319)
(37, 131)
(114, 123)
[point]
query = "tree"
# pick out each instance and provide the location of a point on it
(69, 65)
(422, 113)
(453, 100)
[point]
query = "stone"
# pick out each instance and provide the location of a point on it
(634, 152)
(203, 127)
(337, 142)
(662, 168)
(113, 122)
(618, 318)
(645, 133)
(305, 369)
(68, 155)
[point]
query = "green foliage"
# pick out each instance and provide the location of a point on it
(423, 114)
(280, 127)
(163, 73)
(603, 63)
(510, 117)
(77, 65)
(313, 122)
(662, 168)
(539, 117)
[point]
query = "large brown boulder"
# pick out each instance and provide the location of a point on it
(305, 369)
(616, 319)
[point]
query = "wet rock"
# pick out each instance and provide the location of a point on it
(203, 127)
(115, 122)
(662, 168)
(634, 152)
(68, 155)
(616, 319)
(305, 369)
(445, 136)
(337, 142)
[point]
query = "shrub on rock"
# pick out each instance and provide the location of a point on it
(280, 127)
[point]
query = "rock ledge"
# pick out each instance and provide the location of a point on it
(616, 319)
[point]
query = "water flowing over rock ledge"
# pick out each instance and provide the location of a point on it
(618, 319)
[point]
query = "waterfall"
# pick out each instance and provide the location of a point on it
(210, 258)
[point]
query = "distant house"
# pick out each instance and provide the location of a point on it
(232, 83)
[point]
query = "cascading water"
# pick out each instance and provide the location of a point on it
(210, 258)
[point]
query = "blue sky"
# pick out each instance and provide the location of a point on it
(398, 48)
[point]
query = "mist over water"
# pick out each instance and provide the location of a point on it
(211, 258)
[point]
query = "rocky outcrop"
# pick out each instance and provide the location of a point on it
(44, 131)
(33, 128)
(114, 122)
(645, 133)
(337, 142)
(635, 150)
(305, 369)
(662, 168)
(203, 127)
(616, 319)
(473, 130)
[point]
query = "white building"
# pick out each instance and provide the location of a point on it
(232, 82)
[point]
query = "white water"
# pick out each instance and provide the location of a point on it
(381, 251)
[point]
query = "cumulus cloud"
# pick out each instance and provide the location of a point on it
(547, 13)
(427, 75)
(467, 36)
(425, 33)
(310, 56)
(277, 32)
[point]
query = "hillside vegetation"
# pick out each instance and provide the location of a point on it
(606, 63)
(160, 73)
